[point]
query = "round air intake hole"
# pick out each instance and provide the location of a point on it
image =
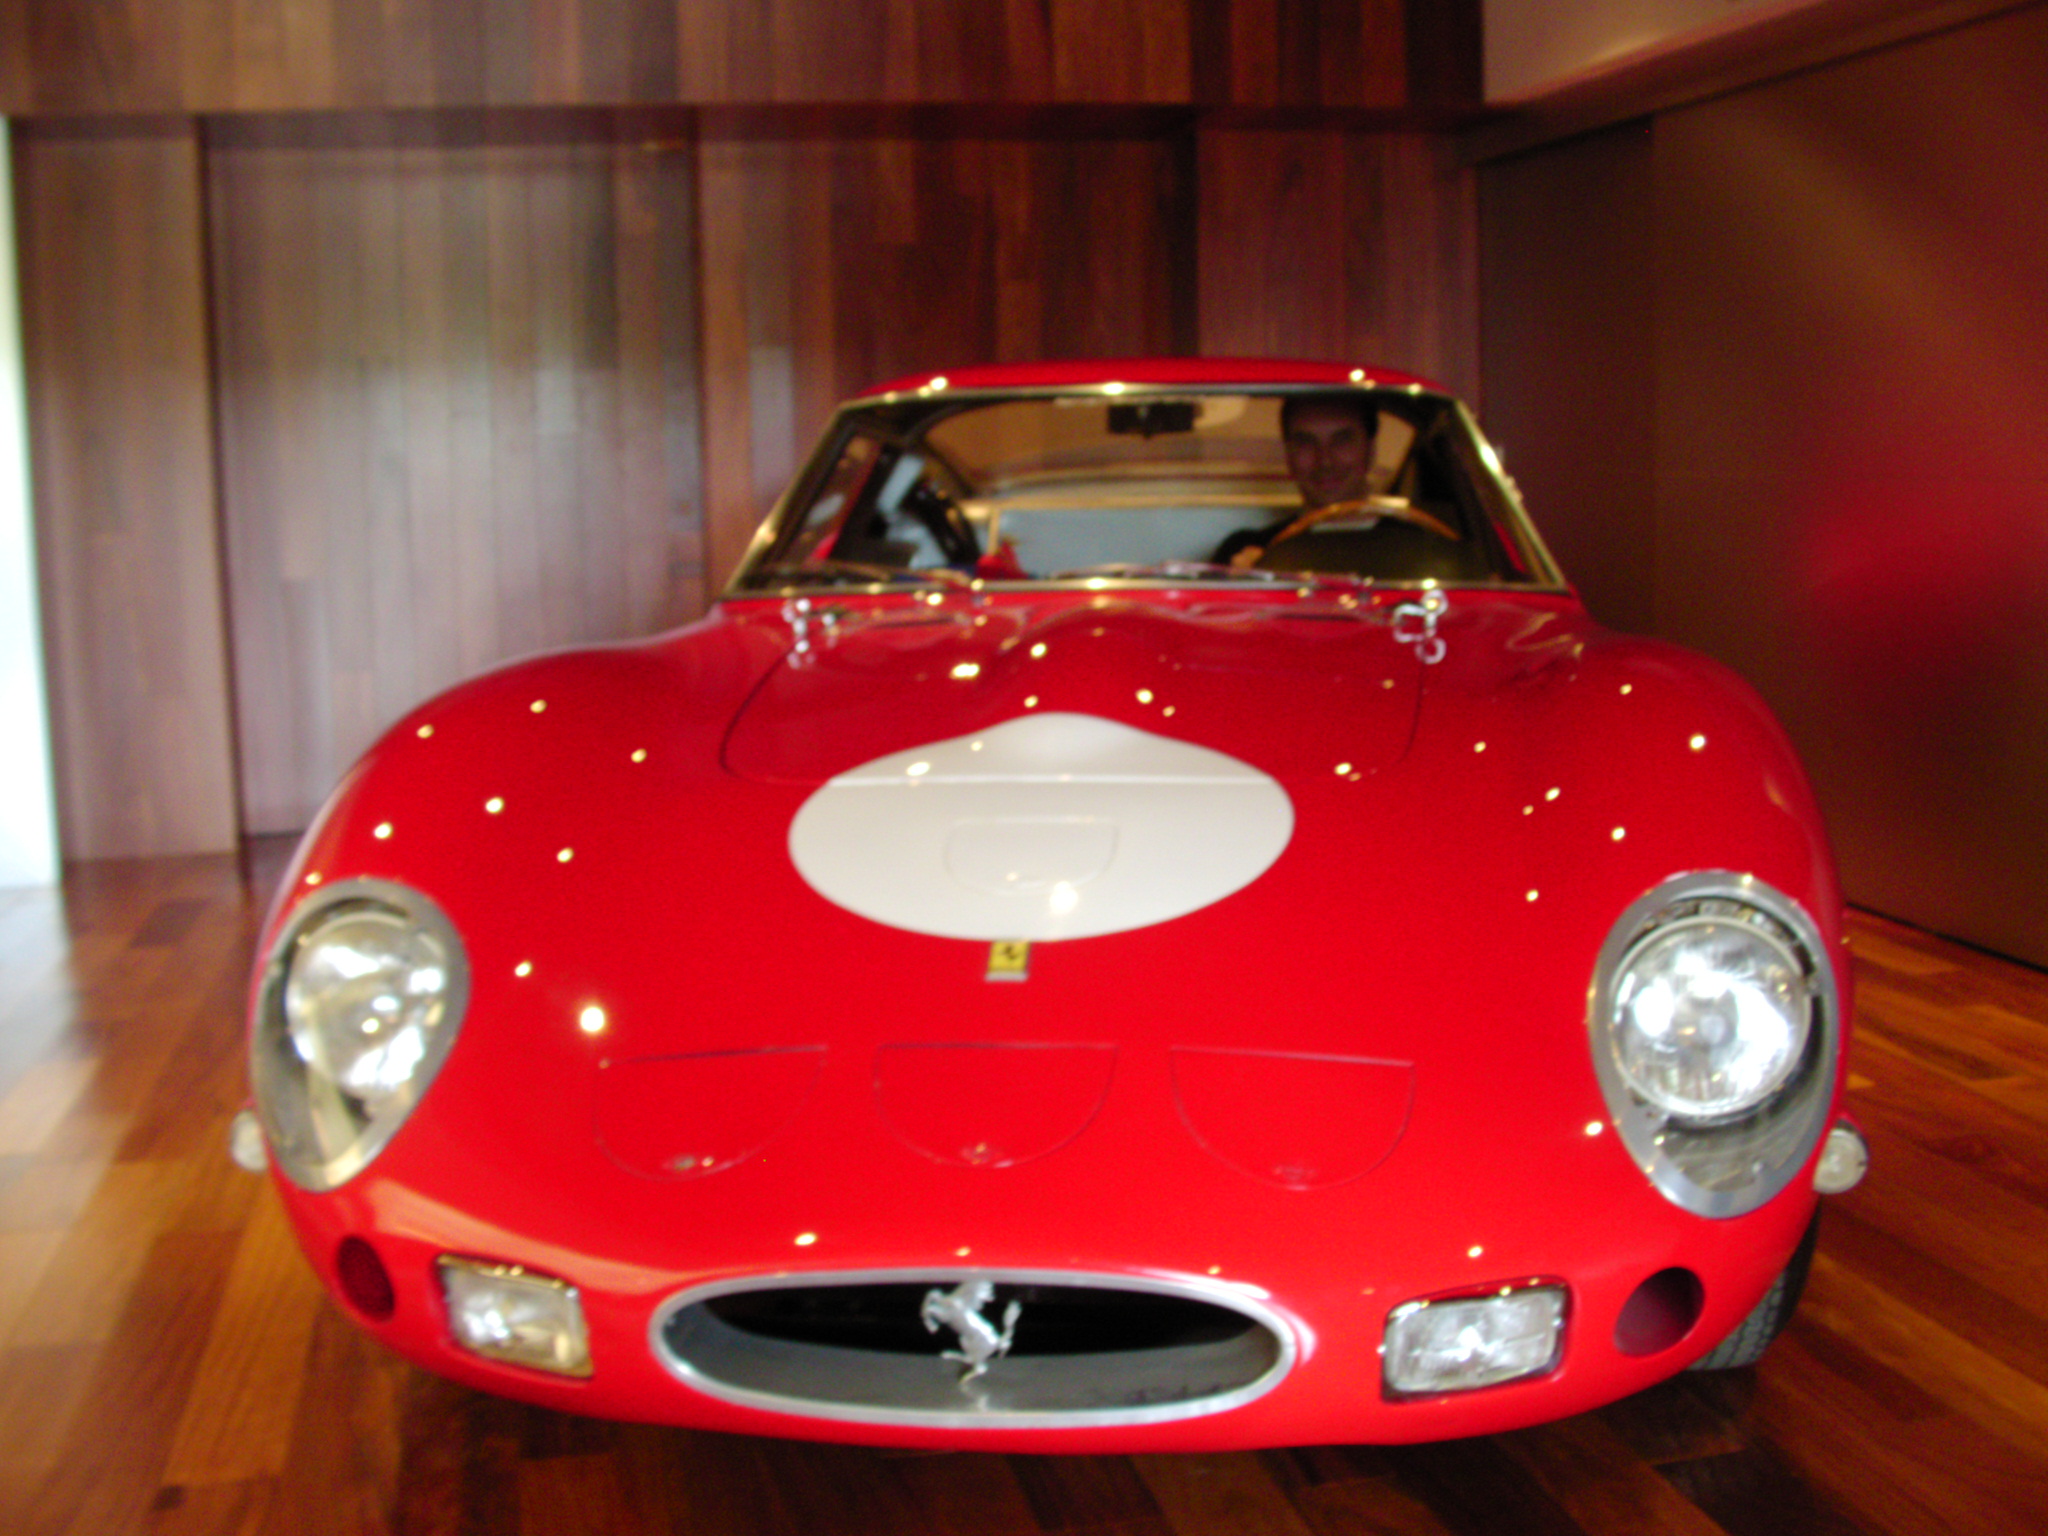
(364, 1280)
(1660, 1312)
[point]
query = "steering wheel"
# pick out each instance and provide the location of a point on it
(943, 520)
(1368, 506)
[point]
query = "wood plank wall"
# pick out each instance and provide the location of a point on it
(834, 264)
(1324, 243)
(458, 423)
(1770, 366)
(114, 328)
(212, 56)
(481, 382)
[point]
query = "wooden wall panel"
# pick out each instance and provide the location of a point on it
(458, 423)
(114, 311)
(1569, 354)
(1852, 295)
(1339, 245)
(212, 56)
(833, 264)
(1829, 293)
(458, 377)
(1300, 53)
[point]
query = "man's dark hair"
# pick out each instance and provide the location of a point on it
(1354, 402)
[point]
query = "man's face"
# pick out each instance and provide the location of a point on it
(1328, 453)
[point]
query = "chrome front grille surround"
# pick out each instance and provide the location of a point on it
(961, 1348)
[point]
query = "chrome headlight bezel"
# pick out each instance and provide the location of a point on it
(320, 1134)
(1725, 1163)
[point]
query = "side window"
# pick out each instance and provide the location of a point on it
(842, 489)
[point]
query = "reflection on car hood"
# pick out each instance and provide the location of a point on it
(1299, 693)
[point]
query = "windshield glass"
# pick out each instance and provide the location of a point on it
(1391, 485)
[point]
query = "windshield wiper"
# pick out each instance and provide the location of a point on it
(822, 573)
(1166, 570)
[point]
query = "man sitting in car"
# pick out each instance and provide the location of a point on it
(1329, 443)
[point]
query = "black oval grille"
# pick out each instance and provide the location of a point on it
(1053, 1320)
(1077, 1349)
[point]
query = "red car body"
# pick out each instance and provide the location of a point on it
(1361, 1079)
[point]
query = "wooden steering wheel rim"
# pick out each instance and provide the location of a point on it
(1400, 511)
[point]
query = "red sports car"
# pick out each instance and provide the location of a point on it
(1147, 917)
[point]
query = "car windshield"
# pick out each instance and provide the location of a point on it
(1148, 484)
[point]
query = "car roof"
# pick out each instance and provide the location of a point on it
(1190, 371)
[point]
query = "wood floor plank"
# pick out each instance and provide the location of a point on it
(1754, 1491)
(1993, 1321)
(965, 1493)
(1971, 1383)
(1074, 1493)
(1857, 1470)
(702, 1482)
(1968, 1223)
(48, 1194)
(86, 1283)
(837, 1490)
(1219, 1493)
(24, 1256)
(341, 1474)
(237, 1424)
(1673, 1422)
(39, 1000)
(1366, 1507)
(107, 1475)
(223, 1509)
(574, 1493)
(1880, 951)
(1472, 1485)
(1975, 1042)
(39, 1102)
(42, 1393)
(1597, 1479)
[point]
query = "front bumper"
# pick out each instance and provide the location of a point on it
(1304, 1366)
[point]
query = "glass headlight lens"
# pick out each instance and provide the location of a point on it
(360, 1004)
(1710, 1017)
(1716, 1032)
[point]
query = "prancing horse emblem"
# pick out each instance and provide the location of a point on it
(981, 1343)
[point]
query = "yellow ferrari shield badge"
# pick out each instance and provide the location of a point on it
(1009, 960)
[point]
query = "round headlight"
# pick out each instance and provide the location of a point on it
(363, 994)
(1715, 1024)
(1710, 1017)
(359, 1006)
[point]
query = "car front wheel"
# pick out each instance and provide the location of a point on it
(1746, 1345)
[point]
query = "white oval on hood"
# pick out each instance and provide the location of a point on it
(1053, 826)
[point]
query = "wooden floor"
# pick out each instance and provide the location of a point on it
(167, 1365)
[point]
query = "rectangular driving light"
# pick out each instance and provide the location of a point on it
(1460, 1343)
(502, 1312)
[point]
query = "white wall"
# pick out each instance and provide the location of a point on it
(28, 839)
(1537, 46)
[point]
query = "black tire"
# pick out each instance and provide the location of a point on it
(1746, 1345)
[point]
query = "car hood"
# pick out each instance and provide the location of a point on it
(1058, 772)
(658, 984)
(1298, 692)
